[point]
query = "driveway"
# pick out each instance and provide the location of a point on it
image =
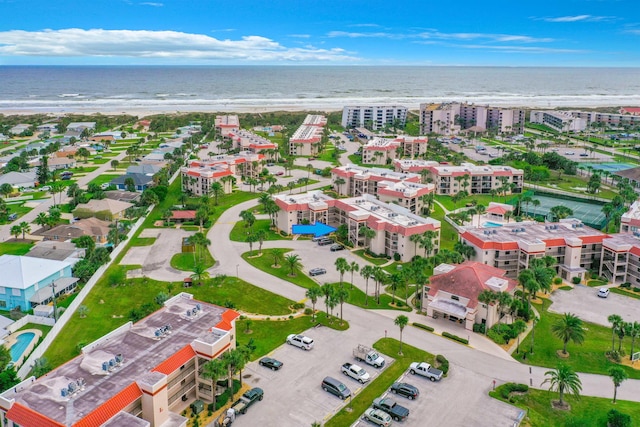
(585, 303)
(292, 395)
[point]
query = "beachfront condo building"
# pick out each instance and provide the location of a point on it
(388, 186)
(227, 124)
(374, 117)
(392, 225)
(560, 121)
(576, 247)
(306, 140)
(198, 175)
(139, 375)
(452, 118)
(382, 151)
(248, 141)
(475, 179)
(607, 118)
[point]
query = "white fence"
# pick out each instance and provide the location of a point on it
(62, 321)
(30, 318)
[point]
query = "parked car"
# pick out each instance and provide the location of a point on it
(317, 271)
(569, 153)
(271, 363)
(325, 242)
(378, 417)
(584, 155)
(405, 389)
(603, 292)
(279, 173)
(335, 387)
(336, 247)
(356, 372)
(426, 370)
(301, 341)
(391, 407)
(247, 399)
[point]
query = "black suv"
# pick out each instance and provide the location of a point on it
(406, 390)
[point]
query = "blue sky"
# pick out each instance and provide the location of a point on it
(327, 32)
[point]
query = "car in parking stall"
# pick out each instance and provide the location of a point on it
(271, 363)
(336, 247)
(301, 341)
(405, 389)
(603, 292)
(317, 271)
(335, 387)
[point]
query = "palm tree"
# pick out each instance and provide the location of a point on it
(427, 242)
(24, 228)
(618, 375)
(293, 261)
(251, 239)
(313, 294)
(200, 273)
(216, 191)
(616, 321)
(368, 234)
(231, 359)
(354, 267)
(366, 272)
(15, 231)
(213, 370)
(342, 266)
(568, 328)
(41, 219)
(633, 332)
(328, 291)
(261, 235)
(381, 279)
(401, 321)
(395, 280)
(341, 295)
(249, 219)
(487, 297)
(562, 379)
(277, 255)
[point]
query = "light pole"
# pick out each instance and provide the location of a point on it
(55, 310)
(237, 271)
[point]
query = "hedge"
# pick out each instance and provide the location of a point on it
(443, 364)
(423, 326)
(455, 338)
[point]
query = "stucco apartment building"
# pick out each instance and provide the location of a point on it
(607, 118)
(227, 124)
(382, 151)
(198, 175)
(305, 140)
(451, 118)
(576, 247)
(139, 375)
(453, 290)
(393, 224)
(630, 220)
(249, 141)
(388, 186)
(374, 116)
(448, 179)
(561, 121)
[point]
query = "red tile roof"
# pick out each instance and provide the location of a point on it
(183, 214)
(498, 210)
(468, 280)
(227, 317)
(110, 408)
(25, 416)
(174, 362)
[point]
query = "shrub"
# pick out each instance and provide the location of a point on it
(479, 327)
(298, 306)
(496, 337)
(396, 257)
(509, 388)
(308, 311)
(626, 285)
(455, 338)
(614, 355)
(636, 289)
(222, 399)
(618, 419)
(575, 280)
(422, 326)
(557, 281)
(443, 364)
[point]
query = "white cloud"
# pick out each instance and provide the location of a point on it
(75, 42)
(579, 18)
(438, 35)
(149, 3)
(365, 25)
(354, 35)
(520, 49)
(300, 36)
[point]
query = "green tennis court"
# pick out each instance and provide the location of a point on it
(588, 212)
(611, 166)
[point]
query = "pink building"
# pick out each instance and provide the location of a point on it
(227, 124)
(306, 139)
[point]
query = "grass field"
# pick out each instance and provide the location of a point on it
(586, 411)
(271, 334)
(104, 178)
(589, 357)
(15, 248)
(187, 261)
(239, 232)
(362, 401)
(372, 260)
(265, 263)
(448, 234)
(143, 241)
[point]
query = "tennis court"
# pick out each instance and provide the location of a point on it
(611, 166)
(588, 212)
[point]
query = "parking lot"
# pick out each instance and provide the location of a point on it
(293, 396)
(585, 303)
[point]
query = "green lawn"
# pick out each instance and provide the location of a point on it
(481, 199)
(448, 234)
(239, 232)
(17, 208)
(588, 357)
(357, 298)
(382, 383)
(265, 263)
(595, 283)
(104, 178)
(372, 260)
(626, 293)
(187, 261)
(271, 334)
(43, 328)
(142, 241)
(586, 411)
(15, 248)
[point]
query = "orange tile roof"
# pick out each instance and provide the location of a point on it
(111, 407)
(25, 416)
(174, 362)
(227, 317)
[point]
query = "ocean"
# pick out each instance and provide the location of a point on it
(245, 88)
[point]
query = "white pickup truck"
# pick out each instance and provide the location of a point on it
(356, 372)
(424, 369)
(368, 355)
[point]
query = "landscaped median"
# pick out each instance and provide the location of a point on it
(387, 377)
(240, 231)
(586, 411)
(266, 262)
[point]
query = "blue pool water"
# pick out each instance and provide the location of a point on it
(22, 341)
(490, 224)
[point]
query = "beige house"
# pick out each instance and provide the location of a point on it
(105, 208)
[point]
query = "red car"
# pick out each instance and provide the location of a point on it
(280, 173)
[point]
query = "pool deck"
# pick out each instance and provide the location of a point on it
(10, 340)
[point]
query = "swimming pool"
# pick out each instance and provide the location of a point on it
(490, 224)
(22, 342)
